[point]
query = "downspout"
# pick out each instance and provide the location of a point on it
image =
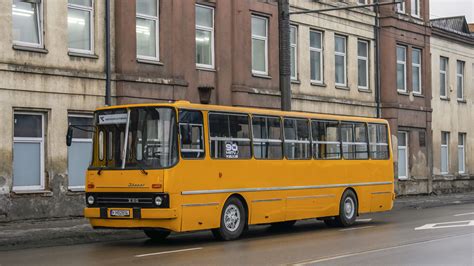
(377, 60)
(284, 53)
(108, 100)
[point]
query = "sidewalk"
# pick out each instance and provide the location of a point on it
(69, 231)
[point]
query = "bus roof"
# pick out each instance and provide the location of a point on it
(250, 110)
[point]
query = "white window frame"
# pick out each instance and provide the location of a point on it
(463, 148)
(32, 140)
(460, 75)
(404, 63)
(366, 59)
(405, 148)
(211, 30)
(443, 134)
(321, 60)
(257, 37)
(417, 65)
(445, 73)
(39, 21)
(82, 140)
(295, 46)
(415, 4)
(156, 19)
(364, 2)
(343, 54)
(401, 7)
(90, 10)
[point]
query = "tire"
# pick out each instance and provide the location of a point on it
(157, 234)
(280, 226)
(347, 209)
(233, 220)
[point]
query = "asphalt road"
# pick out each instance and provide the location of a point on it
(433, 236)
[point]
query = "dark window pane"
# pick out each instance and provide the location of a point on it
(297, 145)
(267, 138)
(28, 126)
(85, 122)
(191, 133)
(326, 142)
(224, 130)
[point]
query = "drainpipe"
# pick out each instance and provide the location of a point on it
(284, 53)
(377, 59)
(108, 100)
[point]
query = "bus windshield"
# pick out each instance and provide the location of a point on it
(135, 138)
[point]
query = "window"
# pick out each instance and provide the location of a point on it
(316, 56)
(27, 23)
(230, 136)
(363, 64)
(80, 25)
(191, 131)
(460, 79)
(362, 2)
(443, 77)
(147, 29)
(402, 155)
(28, 151)
(326, 140)
(259, 45)
(354, 141)
(401, 7)
(267, 139)
(79, 154)
(297, 144)
(378, 140)
(340, 60)
(461, 153)
(444, 152)
(401, 68)
(204, 36)
(415, 8)
(416, 70)
(294, 52)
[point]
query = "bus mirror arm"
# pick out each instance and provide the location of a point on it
(80, 127)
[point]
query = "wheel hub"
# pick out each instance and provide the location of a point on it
(231, 218)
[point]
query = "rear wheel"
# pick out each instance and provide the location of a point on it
(157, 234)
(233, 220)
(347, 211)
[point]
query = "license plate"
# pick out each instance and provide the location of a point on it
(120, 213)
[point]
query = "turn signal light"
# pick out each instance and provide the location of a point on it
(90, 186)
(156, 186)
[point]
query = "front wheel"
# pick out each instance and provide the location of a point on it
(233, 220)
(157, 234)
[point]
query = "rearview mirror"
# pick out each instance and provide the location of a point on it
(69, 136)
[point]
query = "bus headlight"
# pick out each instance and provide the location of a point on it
(90, 200)
(158, 200)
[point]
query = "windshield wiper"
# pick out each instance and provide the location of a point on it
(100, 170)
(143, 171)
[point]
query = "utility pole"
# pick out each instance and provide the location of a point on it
(284, 59)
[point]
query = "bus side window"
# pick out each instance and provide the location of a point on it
(191, 131)
(267, 143)
(297, 144)
(378, 139)
(326, 140)
(354, 141)
(229, 136)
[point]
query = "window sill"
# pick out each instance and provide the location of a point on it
(462, 101)
(84, 55)
(29, 49)
(365, 90)
(342, 87)
(403, 93)
(262, 76)
(200, 68)
(418, 95)
(295, 81)
(444, 98)
(75, 190)
(148, 61)
(45, 193)
(317, 84)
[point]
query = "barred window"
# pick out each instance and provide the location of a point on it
(326, 140)
(297, 144)
(267, 139)
(230, 136)
(378, 139)
(354, 141)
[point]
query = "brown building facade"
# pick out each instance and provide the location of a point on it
(405, 76)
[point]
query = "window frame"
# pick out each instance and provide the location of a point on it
(260, 38)
(321, 57)
(212, 31)
(404, 63)
(344, 55)
(294, 46)
(462, 136)
(460, 75)
(400, 8)
(339, 142)
(366, 59)
(39, 28)
(444, 72)
(379, 143)
(443, 135)
(41, 141)
(417, 65)
(367, 143)
(202, 134)
(406, 151)
(156, 19)
(281, 140)
(90, 10)
(308, 124)
(415, 4)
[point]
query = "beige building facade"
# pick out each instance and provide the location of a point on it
(335, 59)
(452, 57)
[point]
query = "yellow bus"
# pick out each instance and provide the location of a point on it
(179, 166)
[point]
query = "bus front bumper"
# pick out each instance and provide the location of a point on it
(134, 213)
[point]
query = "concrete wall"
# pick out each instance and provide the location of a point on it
(328, 98)
(452, 115)
(51, 82)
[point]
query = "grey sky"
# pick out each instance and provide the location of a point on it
(450, 8)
